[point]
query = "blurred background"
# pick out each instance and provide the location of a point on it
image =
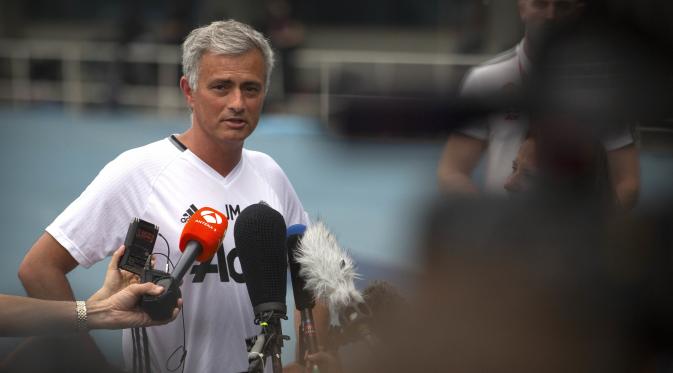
(84, 80)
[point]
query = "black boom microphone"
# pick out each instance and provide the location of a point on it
(259, 234)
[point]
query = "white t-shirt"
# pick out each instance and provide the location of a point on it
(505, 132)
(164, 183)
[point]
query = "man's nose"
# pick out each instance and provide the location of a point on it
(512, 183)
(551, 12)
(236, 104)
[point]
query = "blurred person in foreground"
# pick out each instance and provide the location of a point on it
(500, 135)
(113, 306)
(226, 72)
(532, 287)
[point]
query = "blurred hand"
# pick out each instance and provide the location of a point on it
(121, 310)
(326, 360)
(115, 278)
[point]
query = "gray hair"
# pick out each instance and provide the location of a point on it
(227, 38)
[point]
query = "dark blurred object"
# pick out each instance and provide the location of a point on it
(603, 74)
(540, 286)
(409, 116)
(287, 35)
(56, 355)
(610, 68)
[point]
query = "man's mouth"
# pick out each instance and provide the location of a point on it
(236, 121)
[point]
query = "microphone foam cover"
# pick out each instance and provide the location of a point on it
(206, 226)
(328, 270)
(259, 234)
(303, 299)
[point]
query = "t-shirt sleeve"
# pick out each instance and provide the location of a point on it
(293, 211)
(618, 138)
(473, 89)
(95, 224)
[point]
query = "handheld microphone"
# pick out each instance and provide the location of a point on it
(303, 299)
(259, 234)
(200, 238)
(329, 273)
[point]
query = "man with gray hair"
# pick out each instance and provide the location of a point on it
(226, 66)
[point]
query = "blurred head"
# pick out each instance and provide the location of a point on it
(229, 38)
(524, 169)
(524, 287)
(385, 303)
(542, 16)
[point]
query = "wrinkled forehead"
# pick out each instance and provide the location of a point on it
(552, 2)
(543, 4)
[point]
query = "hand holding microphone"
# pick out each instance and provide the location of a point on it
(200, 238)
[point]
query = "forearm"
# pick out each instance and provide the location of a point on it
(43, 275)
(21, 316)
(43, 270)
(459, 158)
(49, 283)
(455, 182)
(627, 193)
(624, 165)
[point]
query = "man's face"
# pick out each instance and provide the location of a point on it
(229, 96)
(524, 169)
(549, 10)
(537, 15)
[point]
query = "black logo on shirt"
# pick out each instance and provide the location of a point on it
(224, 266)
(230, 211)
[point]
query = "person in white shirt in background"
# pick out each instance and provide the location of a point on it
(499, 136)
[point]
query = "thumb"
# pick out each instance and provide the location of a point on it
(148, 288)
(116, 257)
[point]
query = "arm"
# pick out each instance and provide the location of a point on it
(624, 166)
(459, 158)
(43, 270)
(42, 274)
(21, 316)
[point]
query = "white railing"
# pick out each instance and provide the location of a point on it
(328, 61)
(75, 90)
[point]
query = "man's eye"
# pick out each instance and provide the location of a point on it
(220, 86)
(564, 6)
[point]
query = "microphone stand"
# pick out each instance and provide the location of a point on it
(267, 343)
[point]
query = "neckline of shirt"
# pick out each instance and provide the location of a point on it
(524, 61)
(205, 167)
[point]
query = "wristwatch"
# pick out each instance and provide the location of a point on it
(81, 316)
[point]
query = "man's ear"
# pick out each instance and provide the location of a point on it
(187, 91)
